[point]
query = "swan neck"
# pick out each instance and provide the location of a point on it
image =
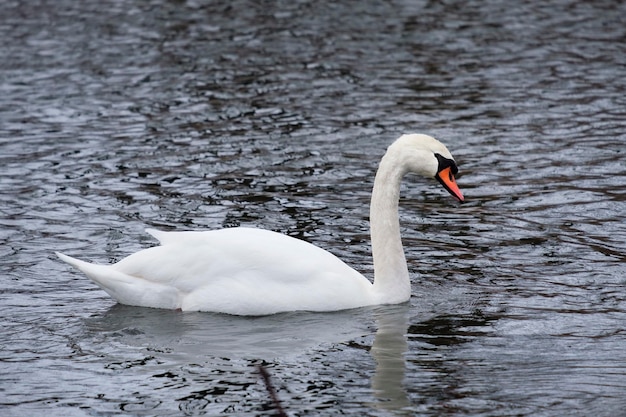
(391, 276)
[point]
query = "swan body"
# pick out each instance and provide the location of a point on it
(248, 271)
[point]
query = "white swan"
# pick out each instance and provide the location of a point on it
(249, 271)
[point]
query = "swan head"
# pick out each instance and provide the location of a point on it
(426, 156)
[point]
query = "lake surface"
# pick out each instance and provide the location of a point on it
(121, 115)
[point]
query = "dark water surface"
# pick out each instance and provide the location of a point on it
(121, 115)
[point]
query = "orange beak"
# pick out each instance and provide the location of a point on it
(446, 178)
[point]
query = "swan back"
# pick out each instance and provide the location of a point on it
(243, 271)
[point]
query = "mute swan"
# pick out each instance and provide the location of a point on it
(247, 271)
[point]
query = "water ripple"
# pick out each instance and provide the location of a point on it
(195, 115)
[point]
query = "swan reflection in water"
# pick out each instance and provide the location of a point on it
(179, 339)
(388, 350)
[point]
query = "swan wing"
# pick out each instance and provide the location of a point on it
(237, 270)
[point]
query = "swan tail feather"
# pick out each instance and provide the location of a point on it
(126, 289)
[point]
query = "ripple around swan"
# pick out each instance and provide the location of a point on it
(200, 115)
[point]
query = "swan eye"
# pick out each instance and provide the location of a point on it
(446, 163)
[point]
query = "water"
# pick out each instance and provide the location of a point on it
(181, 115)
